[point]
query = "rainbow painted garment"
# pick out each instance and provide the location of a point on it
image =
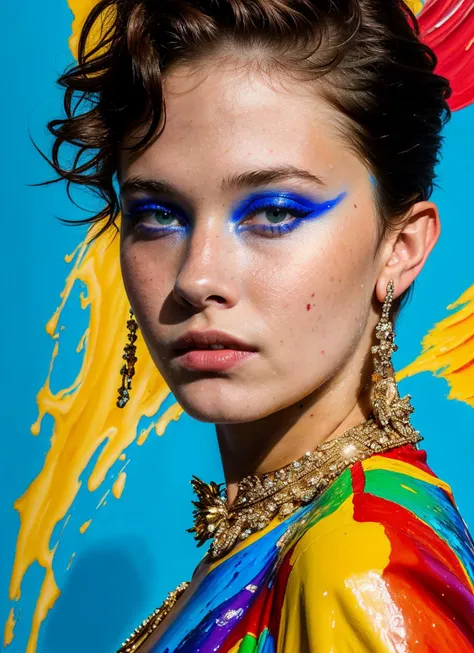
(381, 561)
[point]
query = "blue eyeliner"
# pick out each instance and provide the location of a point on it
(299, 207)
(139, 207)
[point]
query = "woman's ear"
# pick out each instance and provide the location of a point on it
(406, 250)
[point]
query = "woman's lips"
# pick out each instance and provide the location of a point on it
(213, 360)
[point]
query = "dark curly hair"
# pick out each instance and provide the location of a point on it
(367, 55)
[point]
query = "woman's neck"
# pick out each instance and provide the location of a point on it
(278, 439)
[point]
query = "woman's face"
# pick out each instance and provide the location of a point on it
(256, 220)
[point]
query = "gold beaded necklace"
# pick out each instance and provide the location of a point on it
(279, 493)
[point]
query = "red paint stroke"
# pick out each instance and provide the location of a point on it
(358, 477)
(447, 26)
(407, 453)
(423, 571)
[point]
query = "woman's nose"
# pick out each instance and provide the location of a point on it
(208, 272)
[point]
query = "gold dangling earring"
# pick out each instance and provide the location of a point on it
(391, 412)
(128, 370)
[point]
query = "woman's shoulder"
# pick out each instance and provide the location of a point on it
(387, 550)
(384, 500)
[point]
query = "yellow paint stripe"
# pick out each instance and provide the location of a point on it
(410, 489)
(338, 571)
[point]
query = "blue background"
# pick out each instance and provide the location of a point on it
(123, 565)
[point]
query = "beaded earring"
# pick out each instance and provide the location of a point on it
(128, 370)
(389, 410)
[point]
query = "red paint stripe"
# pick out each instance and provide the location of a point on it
(281, 581)
(369, 508)
(256, 619)
(428, 593)
(358, 477)
(446, 26)
(408, 454)
(424, 578)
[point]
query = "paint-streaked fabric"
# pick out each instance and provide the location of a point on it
(382, 561)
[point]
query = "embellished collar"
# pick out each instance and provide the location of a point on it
(281, 492)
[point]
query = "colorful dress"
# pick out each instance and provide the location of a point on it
(381, 561)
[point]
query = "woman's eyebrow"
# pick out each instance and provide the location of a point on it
(254, 178)
(249, 178)
(141, 184)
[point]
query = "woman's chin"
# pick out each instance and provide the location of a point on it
(215, 411)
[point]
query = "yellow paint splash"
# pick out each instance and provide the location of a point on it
(81, 9)
(85, 526)
(448, 350)
(415, 5)
(102, 501)
(70, 561)
(9, 628)
(85, 414)
(117, 487)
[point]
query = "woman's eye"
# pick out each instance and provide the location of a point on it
(162, 217)
(275, 215)
(273, 220)
(153, 219)
(156, 216)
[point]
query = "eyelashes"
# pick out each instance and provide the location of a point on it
(272, 206)
(138, 213)
(267, 213)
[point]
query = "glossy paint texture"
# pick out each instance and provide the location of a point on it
(446, 26)
(382, 561)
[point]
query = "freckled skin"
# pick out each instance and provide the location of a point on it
(245, 284)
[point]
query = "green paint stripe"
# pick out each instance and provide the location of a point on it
(331, 499)
(248, 645)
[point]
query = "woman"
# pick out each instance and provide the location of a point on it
(275, 160)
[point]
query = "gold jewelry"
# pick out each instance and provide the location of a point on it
(151, 623)
(389, 410)
(128, 370)
(280, 493)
